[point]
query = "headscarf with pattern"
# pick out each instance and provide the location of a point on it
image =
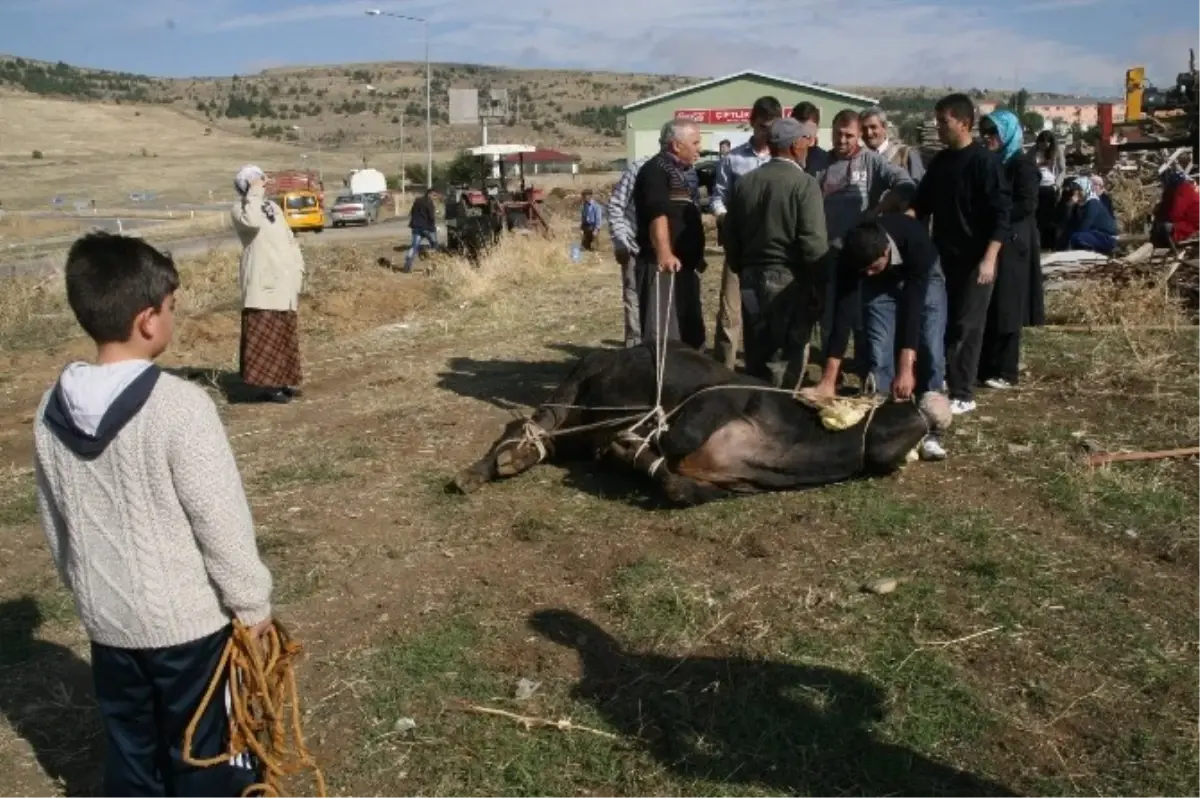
(1084, 184)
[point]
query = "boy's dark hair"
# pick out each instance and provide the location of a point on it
(113, 278)
(766, 109)
(957, 106)
(587, 192)
(844, 117)
(724, 141)
(864, 245)
(806, 112)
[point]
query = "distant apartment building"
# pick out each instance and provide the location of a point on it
(1085, 115)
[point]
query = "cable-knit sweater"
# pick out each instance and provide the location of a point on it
(144, 509)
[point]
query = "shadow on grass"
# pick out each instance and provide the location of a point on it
(504, 383)
(46, 696)
(796, 729)
(229, 383)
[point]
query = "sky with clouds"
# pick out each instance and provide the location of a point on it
(1078, 46)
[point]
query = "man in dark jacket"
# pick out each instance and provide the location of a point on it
(422, 220)
(965, 192)
(776, 243)
(670, 239)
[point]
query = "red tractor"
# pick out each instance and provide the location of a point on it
(477, 213)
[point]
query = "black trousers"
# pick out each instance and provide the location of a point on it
(684, 314)
(967, 303)
(1001, 355)
(778, 317)
(147, 698)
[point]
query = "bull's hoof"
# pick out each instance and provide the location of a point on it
(517, 458)
(466, 482)
(506, 465)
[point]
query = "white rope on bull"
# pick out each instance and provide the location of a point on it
(662, 329)
(535, 435)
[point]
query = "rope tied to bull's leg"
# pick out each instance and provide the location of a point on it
(533, 434)
(264, 705)
(662, 329)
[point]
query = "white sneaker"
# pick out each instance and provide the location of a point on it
(960, 406)
(999, 383)
(932, 449)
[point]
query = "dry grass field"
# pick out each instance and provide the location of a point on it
(1041, 640)
(106, 152)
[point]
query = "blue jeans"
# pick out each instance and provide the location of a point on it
(1093, 241)
(879, 313)
(417, 235)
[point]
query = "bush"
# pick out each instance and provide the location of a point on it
(464, 168)
(37, 155)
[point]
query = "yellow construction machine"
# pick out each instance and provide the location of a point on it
(1155, 119)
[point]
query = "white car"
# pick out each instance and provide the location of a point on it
(354, 209)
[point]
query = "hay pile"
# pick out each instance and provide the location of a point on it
(1134, 199)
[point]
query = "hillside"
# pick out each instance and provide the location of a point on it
(361, 106)
(349, 107)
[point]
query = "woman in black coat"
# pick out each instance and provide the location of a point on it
(1011, 305)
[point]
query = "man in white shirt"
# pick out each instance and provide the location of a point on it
(875, 135)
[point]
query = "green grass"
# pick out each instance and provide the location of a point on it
(20, 508)
(317, 472)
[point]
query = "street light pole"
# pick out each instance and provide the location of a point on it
(317, 140)
(375, 12)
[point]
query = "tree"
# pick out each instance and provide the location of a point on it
(1017, 103)
(1033, 121)
(910, 130)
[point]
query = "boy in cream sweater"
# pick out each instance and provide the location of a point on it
(148, 524)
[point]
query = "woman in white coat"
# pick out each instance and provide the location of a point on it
(272, 276)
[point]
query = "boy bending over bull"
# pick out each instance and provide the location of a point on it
(889, 267)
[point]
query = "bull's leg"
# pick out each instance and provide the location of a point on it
(648, 460)
(527, 442)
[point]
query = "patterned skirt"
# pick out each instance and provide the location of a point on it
(270, 351)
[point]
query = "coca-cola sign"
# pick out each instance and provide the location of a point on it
(717, 116)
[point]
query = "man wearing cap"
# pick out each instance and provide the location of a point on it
(775, 242)
(741, 160)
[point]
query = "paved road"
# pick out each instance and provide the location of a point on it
(395, 229)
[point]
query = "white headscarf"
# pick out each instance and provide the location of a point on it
(247, 173)
(241, 182)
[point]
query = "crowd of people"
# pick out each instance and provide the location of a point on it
(932, 270)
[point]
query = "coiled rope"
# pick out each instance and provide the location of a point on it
(264, 707)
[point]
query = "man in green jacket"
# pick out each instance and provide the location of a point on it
(775, 240)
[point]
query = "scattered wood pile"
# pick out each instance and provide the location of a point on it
(1177, 271)
(1136, 188)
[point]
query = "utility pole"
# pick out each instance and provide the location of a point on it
(375, 12)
